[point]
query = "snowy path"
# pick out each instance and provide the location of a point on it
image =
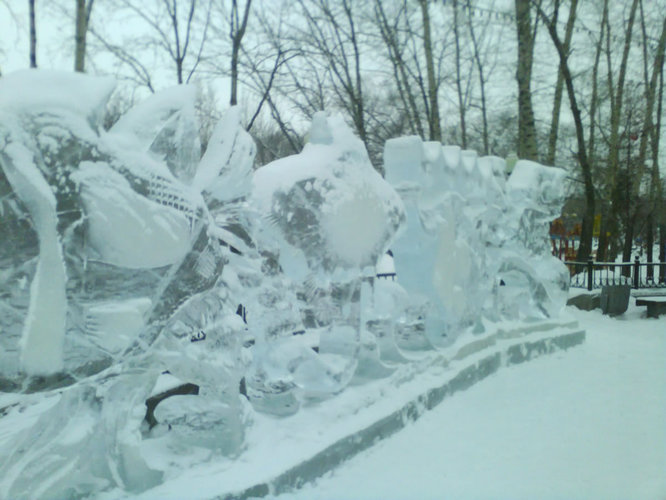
(588, 423)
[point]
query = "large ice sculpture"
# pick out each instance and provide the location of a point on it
(106, 208)
(327, 217)
(44, 327)
(146, 290)
(475, 244)
(535, 282)
(329, 210)
(112, 272)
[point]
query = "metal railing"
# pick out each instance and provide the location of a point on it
(637, 274)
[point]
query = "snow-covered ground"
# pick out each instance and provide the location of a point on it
(588, 423)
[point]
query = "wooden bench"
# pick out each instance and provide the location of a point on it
(655, 305)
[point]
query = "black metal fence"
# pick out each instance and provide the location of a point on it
(638, 274)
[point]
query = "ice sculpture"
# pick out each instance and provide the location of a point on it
(327, 217)
(152, 296)
(535, 280)
(475, 244)
(321, 201)
(113, 273)
(44, 327)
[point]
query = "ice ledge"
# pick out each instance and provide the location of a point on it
(344, 428)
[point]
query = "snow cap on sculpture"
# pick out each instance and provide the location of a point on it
(327, 207)
(64, 94)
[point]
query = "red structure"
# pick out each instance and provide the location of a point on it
(565, 243)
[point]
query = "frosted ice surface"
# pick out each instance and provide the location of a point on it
(200, 421)
(326, 216)
(85, 443)
(114, 325)
(125, 228)
(116, 254)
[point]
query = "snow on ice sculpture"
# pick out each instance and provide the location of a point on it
(112, 271)
(326, 217)
(225, 170)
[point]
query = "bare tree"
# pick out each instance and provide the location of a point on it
(170, 32)
(482, 74)
(657, 182)
(332, 33)
(585, 247)
(389, 32)
(462, 105)
(4, 5)
(139, 72)
(609, 212)
(650, 83)
(263, 71)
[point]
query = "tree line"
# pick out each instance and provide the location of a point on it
(568, 83)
